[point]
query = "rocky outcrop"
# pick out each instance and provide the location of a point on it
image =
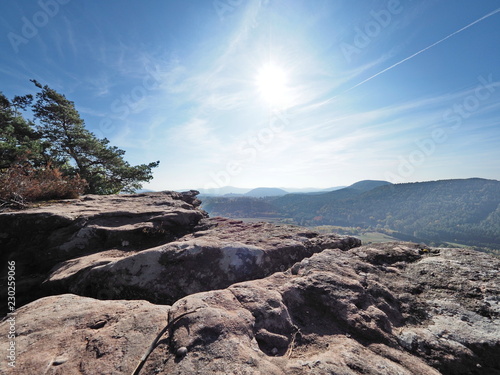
(219, 253)
(40, 238)
(383, 309)
(235, 298)
(68, 228)
(155, 246)
(376, 309)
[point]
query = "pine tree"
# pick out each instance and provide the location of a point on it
(18, 140)
(78, 151)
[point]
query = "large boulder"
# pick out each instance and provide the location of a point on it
(39, 238)
(377, 309)
(220, 253)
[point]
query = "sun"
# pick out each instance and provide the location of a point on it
(271, 82)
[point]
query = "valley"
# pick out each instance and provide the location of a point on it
(441, 213)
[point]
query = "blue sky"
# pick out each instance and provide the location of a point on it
(285, 93)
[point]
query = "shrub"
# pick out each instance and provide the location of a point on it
(23, 183)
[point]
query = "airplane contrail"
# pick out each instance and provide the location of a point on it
(419, 52)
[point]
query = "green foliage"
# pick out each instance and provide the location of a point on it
(101, 165)
(18, 139)
(240, 207)
(458, 211)
(59, 147)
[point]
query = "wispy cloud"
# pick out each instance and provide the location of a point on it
(195, 135)
(421, 51)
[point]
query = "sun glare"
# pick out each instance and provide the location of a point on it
(272, 84)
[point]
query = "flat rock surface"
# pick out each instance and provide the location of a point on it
(376, 309)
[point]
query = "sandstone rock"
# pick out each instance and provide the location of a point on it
(348, 312)
(377, 309)
(37, 239)
(248, 298)
(67, 334)
(354, 312)
(457, 297)
(222, 253)
(94, 222)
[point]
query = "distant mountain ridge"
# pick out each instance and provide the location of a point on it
(367, 185)
(266, 192)
(224, 190)
(232, 191)
(464, 211)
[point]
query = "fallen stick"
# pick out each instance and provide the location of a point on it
(155, 341)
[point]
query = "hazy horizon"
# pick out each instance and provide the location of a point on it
(316, 187)
(272, 92)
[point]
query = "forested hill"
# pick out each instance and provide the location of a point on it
(463, 211)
